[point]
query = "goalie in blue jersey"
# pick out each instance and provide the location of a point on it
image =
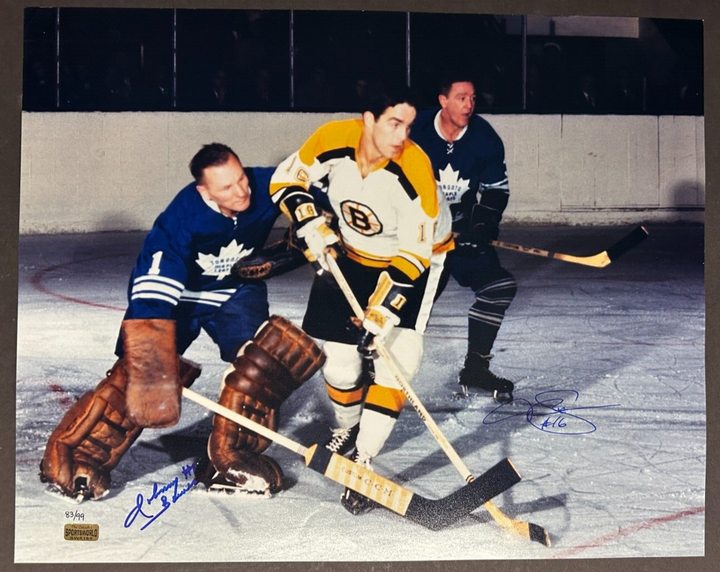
(182, 284)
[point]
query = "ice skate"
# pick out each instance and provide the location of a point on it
(342, 441)
(476, 374)
(215, 482)
(353, 501)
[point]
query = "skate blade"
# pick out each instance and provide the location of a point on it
(235, 491)
(466, 394)
(357, 506)
(58, 494)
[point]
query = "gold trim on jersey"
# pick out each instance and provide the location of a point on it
(332, 148)
(420, 262)
(367, 259)
(445, 245)
(407, 268)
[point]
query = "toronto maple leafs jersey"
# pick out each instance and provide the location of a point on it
(470, 170)
(191, 248)
(387, 218)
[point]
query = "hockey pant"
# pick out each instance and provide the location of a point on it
(229, 326)
(494, 289)
(375, 404)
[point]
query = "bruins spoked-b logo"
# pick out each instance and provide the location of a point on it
(361, 218)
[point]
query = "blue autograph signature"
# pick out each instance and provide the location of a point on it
(157, 493)
(559, 420)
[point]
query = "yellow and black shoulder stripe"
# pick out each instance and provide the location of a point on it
(414, 172)
(333, 140)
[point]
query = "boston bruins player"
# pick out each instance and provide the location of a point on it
(468, 160)
(382, 188)
(181, 284)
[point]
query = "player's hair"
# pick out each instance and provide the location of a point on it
(447, 80)
(210, 155)
(379, 97)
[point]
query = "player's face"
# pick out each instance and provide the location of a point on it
(459, 104)
(227, 186)
(390, 131)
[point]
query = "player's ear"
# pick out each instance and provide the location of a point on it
(204, 193)
(368, 118)
(443, 100)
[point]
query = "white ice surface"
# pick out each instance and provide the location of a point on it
(631, 334)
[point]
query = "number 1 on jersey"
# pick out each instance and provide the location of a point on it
(422, 232)
(155, 268)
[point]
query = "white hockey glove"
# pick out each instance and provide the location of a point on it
(383, 311)
(318, 238)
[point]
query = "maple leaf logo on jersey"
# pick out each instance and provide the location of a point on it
(453, 187)
(221, 264)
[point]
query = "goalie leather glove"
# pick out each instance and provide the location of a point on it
(273, 260)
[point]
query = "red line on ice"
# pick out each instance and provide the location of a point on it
(65, 400)
(629, 530)
(37, 279)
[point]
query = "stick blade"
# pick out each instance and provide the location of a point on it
(627, 243)
(527, 530)
(539, 534)
(437, 514)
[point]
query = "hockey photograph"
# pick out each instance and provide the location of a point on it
(355, 285)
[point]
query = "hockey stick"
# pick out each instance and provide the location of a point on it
(433, 514)
(526, 529)
(599, 260)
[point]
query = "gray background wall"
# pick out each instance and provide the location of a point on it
(84, 172)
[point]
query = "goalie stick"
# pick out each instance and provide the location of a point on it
(528, 530)
(599, 260)
(433, 514)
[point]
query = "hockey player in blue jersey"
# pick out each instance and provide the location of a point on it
(183, 270)
(182, 284)
(468, 159)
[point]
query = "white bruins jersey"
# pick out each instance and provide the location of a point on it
(387, 219)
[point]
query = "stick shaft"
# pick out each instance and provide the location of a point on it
(522, 528)
(599, 260)
(596, 260)
(244, 421)
(390, 362)
(434, 514)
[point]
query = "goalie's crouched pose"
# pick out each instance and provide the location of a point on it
(181, 284)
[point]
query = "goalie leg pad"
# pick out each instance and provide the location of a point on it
(267, 370)
(292, 347)
(151, 367)
(90, 440)
(93, 435)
